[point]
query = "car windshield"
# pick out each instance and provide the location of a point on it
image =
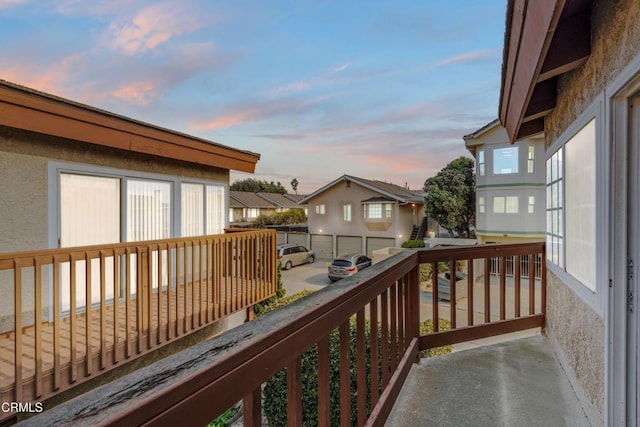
(341, 263)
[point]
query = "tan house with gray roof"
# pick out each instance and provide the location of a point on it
(352, 214)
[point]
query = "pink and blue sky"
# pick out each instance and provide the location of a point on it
(377, 89)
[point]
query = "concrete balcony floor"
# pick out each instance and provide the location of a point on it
(514, 383)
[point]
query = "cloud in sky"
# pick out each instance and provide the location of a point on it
(152, 26)
(5, 4)
(318, 88)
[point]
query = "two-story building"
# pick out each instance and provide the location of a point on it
(510, 185)
(353, 214)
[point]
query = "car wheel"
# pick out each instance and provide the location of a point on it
(312, 259)
(287, 266)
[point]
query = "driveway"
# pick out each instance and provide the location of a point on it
(306, 276)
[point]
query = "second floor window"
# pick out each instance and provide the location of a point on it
(378, 210)
(346, 212)
(531, 159)
(505, 161)
(481, 204)
(481, 162)
(320, 209)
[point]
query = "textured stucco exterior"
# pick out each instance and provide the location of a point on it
(24, 158)
(578, 330)
(24, 216)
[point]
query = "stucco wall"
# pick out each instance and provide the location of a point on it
(579, 331)
(24, 158)
(615, 41)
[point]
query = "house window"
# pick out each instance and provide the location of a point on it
(481, 162)
(481, 204)
(505, 161)
(253, 213)
(575, 205)
(531, 159)
(505, 204)
(531, 206)
(346, 213)
(387, 210)
(320, 209)
(373, 211)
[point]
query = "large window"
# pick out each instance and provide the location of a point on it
(505, 204)
(378, 210)
(505, 160)
(571, 206)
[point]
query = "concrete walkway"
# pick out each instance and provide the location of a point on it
(516, 383)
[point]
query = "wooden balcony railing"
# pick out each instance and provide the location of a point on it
(196, 387)
(68, 315)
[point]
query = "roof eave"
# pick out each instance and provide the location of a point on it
(543, 39)
(31, 110)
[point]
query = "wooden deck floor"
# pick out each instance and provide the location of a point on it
(111, 337)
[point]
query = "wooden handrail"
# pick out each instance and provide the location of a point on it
(89, 309)
(200, 384)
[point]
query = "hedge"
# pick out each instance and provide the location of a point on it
(275, 389)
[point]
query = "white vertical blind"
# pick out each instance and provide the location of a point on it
(148, 210)
(192, 210)
(89, 215)
(216, 206)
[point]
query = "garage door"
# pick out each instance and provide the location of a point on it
(349, 244)
(298, 239)
(374, 243)
(322, 245)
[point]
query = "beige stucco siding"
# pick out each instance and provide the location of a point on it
(579, 332)
(24, 159)
(577, 328)
(332, 221)
(24, 204)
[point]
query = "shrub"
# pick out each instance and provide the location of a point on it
(275, 389)
(426, 328)
(413, 244)
(262, 306)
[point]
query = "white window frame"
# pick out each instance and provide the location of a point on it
(481, 204)
(515, 153)
(481, 163)
(54, 169)
(346, 213)
(506, 202)
(592, 297)
(321, 209)
(531, 206)
(531, 157)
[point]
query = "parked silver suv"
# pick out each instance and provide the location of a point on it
(347, 264)
(291, 255)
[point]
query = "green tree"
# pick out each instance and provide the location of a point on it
(256, 186)
(451, 196)
(294, 185)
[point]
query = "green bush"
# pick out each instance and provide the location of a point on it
(275, 389)
(426, 328)
(290, 216)
(413, 244)
(262, 306)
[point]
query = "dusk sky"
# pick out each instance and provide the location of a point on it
(376, 89)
